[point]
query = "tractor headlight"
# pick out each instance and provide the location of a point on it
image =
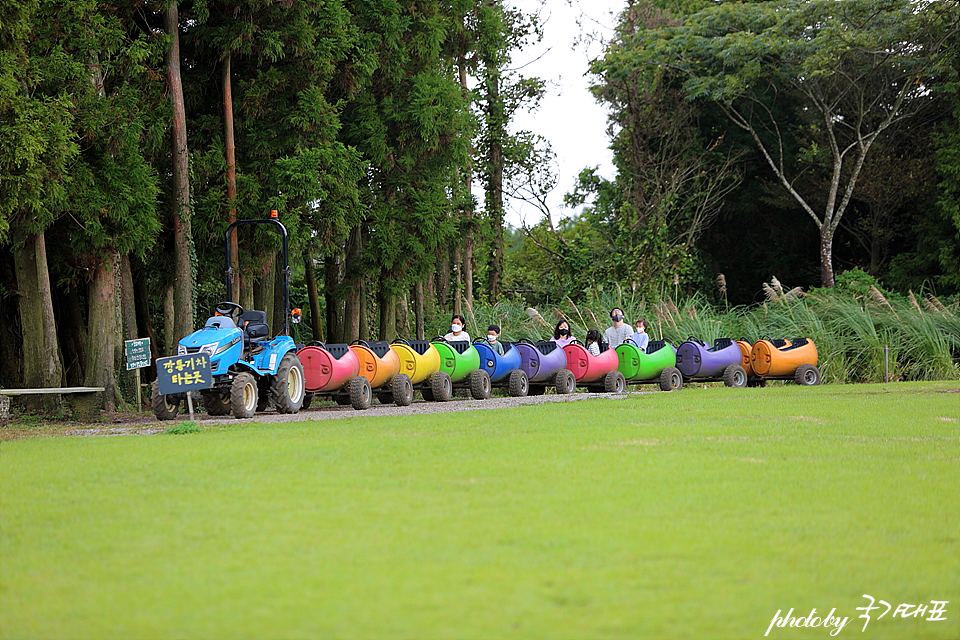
(181, 350)
(209, 349)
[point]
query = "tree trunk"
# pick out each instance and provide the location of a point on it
(230, 151)
(182, 235)
(352, 299)
(364, 310)
(826, 256)
(419, 306)
(42, 364)
(468, 214)
(388, 314)
(403, 316)
(443, 278)
(103, 329)
(497, 128)
(457, 282)
(281, 310)
(310, 276)
(128, 327)
(331, 290)
(263, 292)
(72, 330)
(144, 325)
(169, 325)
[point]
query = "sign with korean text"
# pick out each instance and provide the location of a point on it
(138, 353)
(184, 373)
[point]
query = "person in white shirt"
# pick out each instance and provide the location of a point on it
(640, 337)
(456, 330)
(620, 331)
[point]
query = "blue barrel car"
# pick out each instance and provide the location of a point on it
(504, 370)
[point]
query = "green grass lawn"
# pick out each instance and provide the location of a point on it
(696, 514)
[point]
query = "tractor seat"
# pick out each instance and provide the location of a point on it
(253, 324)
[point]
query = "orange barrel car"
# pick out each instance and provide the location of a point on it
(381, 366)
(793, 360)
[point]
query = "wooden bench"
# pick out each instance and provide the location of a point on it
(84, 400)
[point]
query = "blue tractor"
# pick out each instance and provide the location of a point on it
(250, 369)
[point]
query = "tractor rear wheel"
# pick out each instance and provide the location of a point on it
(216, 404)
(361, 396)
(671, 379)
(163, 408)
(244, 395)
(287, 387)
(402, 390)
(441, 386)
(565, 381)
(735, 376)
(614, 382)
(480, 384)
(518, 385)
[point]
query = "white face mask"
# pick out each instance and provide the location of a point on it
(491, 338)
(456, 328)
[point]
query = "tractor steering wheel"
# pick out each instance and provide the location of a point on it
(229, 309)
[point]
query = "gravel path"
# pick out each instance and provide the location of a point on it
(327, 412)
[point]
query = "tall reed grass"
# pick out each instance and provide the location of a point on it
(922, 333)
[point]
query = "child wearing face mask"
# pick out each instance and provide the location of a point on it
(456, 329)
(493, 338)
(561, 334)
(640, 337)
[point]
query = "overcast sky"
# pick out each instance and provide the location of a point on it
(569, 117)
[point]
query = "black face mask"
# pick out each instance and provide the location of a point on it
(617, 317)
(564, 332)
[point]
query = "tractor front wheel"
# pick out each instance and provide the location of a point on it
(244, 395)
(163, 408)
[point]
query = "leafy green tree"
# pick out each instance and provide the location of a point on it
(37, 146)
(847, 70)
(411, 124)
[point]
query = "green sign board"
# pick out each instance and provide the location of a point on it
(184, 373)
(138, 353)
